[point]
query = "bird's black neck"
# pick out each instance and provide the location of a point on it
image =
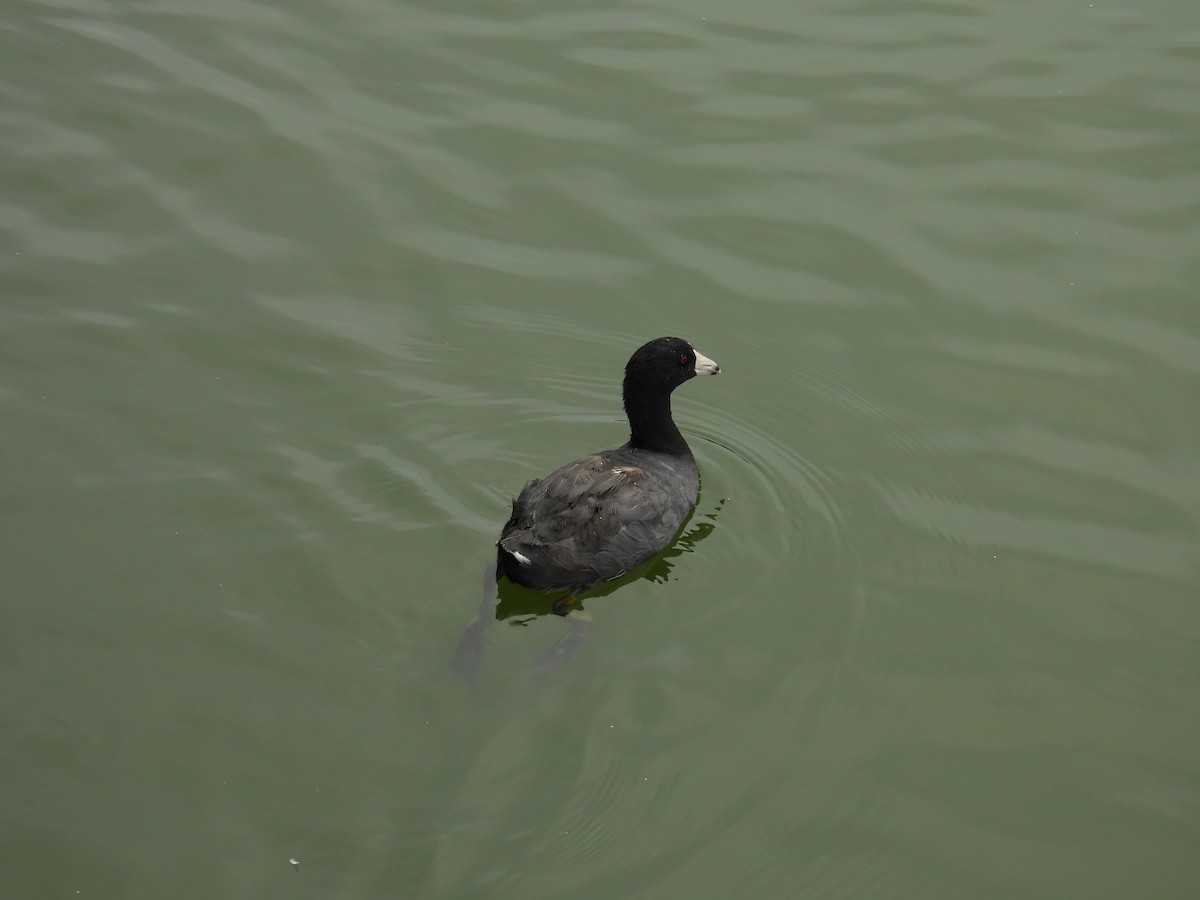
(650, 424)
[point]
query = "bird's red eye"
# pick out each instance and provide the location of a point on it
(682, 361)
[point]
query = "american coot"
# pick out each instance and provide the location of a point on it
(604, 514)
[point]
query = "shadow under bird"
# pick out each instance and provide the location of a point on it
(607, 513)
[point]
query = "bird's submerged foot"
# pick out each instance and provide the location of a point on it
(471, 641)
(469, 649)
(553, 657)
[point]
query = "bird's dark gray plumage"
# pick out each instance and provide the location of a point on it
(604, 514)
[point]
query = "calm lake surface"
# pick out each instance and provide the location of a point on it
(296, 297)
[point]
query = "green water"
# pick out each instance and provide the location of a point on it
(294, 298)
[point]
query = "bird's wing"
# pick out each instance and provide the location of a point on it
(591, 504)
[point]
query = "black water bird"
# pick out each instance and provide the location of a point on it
(604, 514)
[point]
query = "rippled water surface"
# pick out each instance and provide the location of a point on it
(295, 297)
